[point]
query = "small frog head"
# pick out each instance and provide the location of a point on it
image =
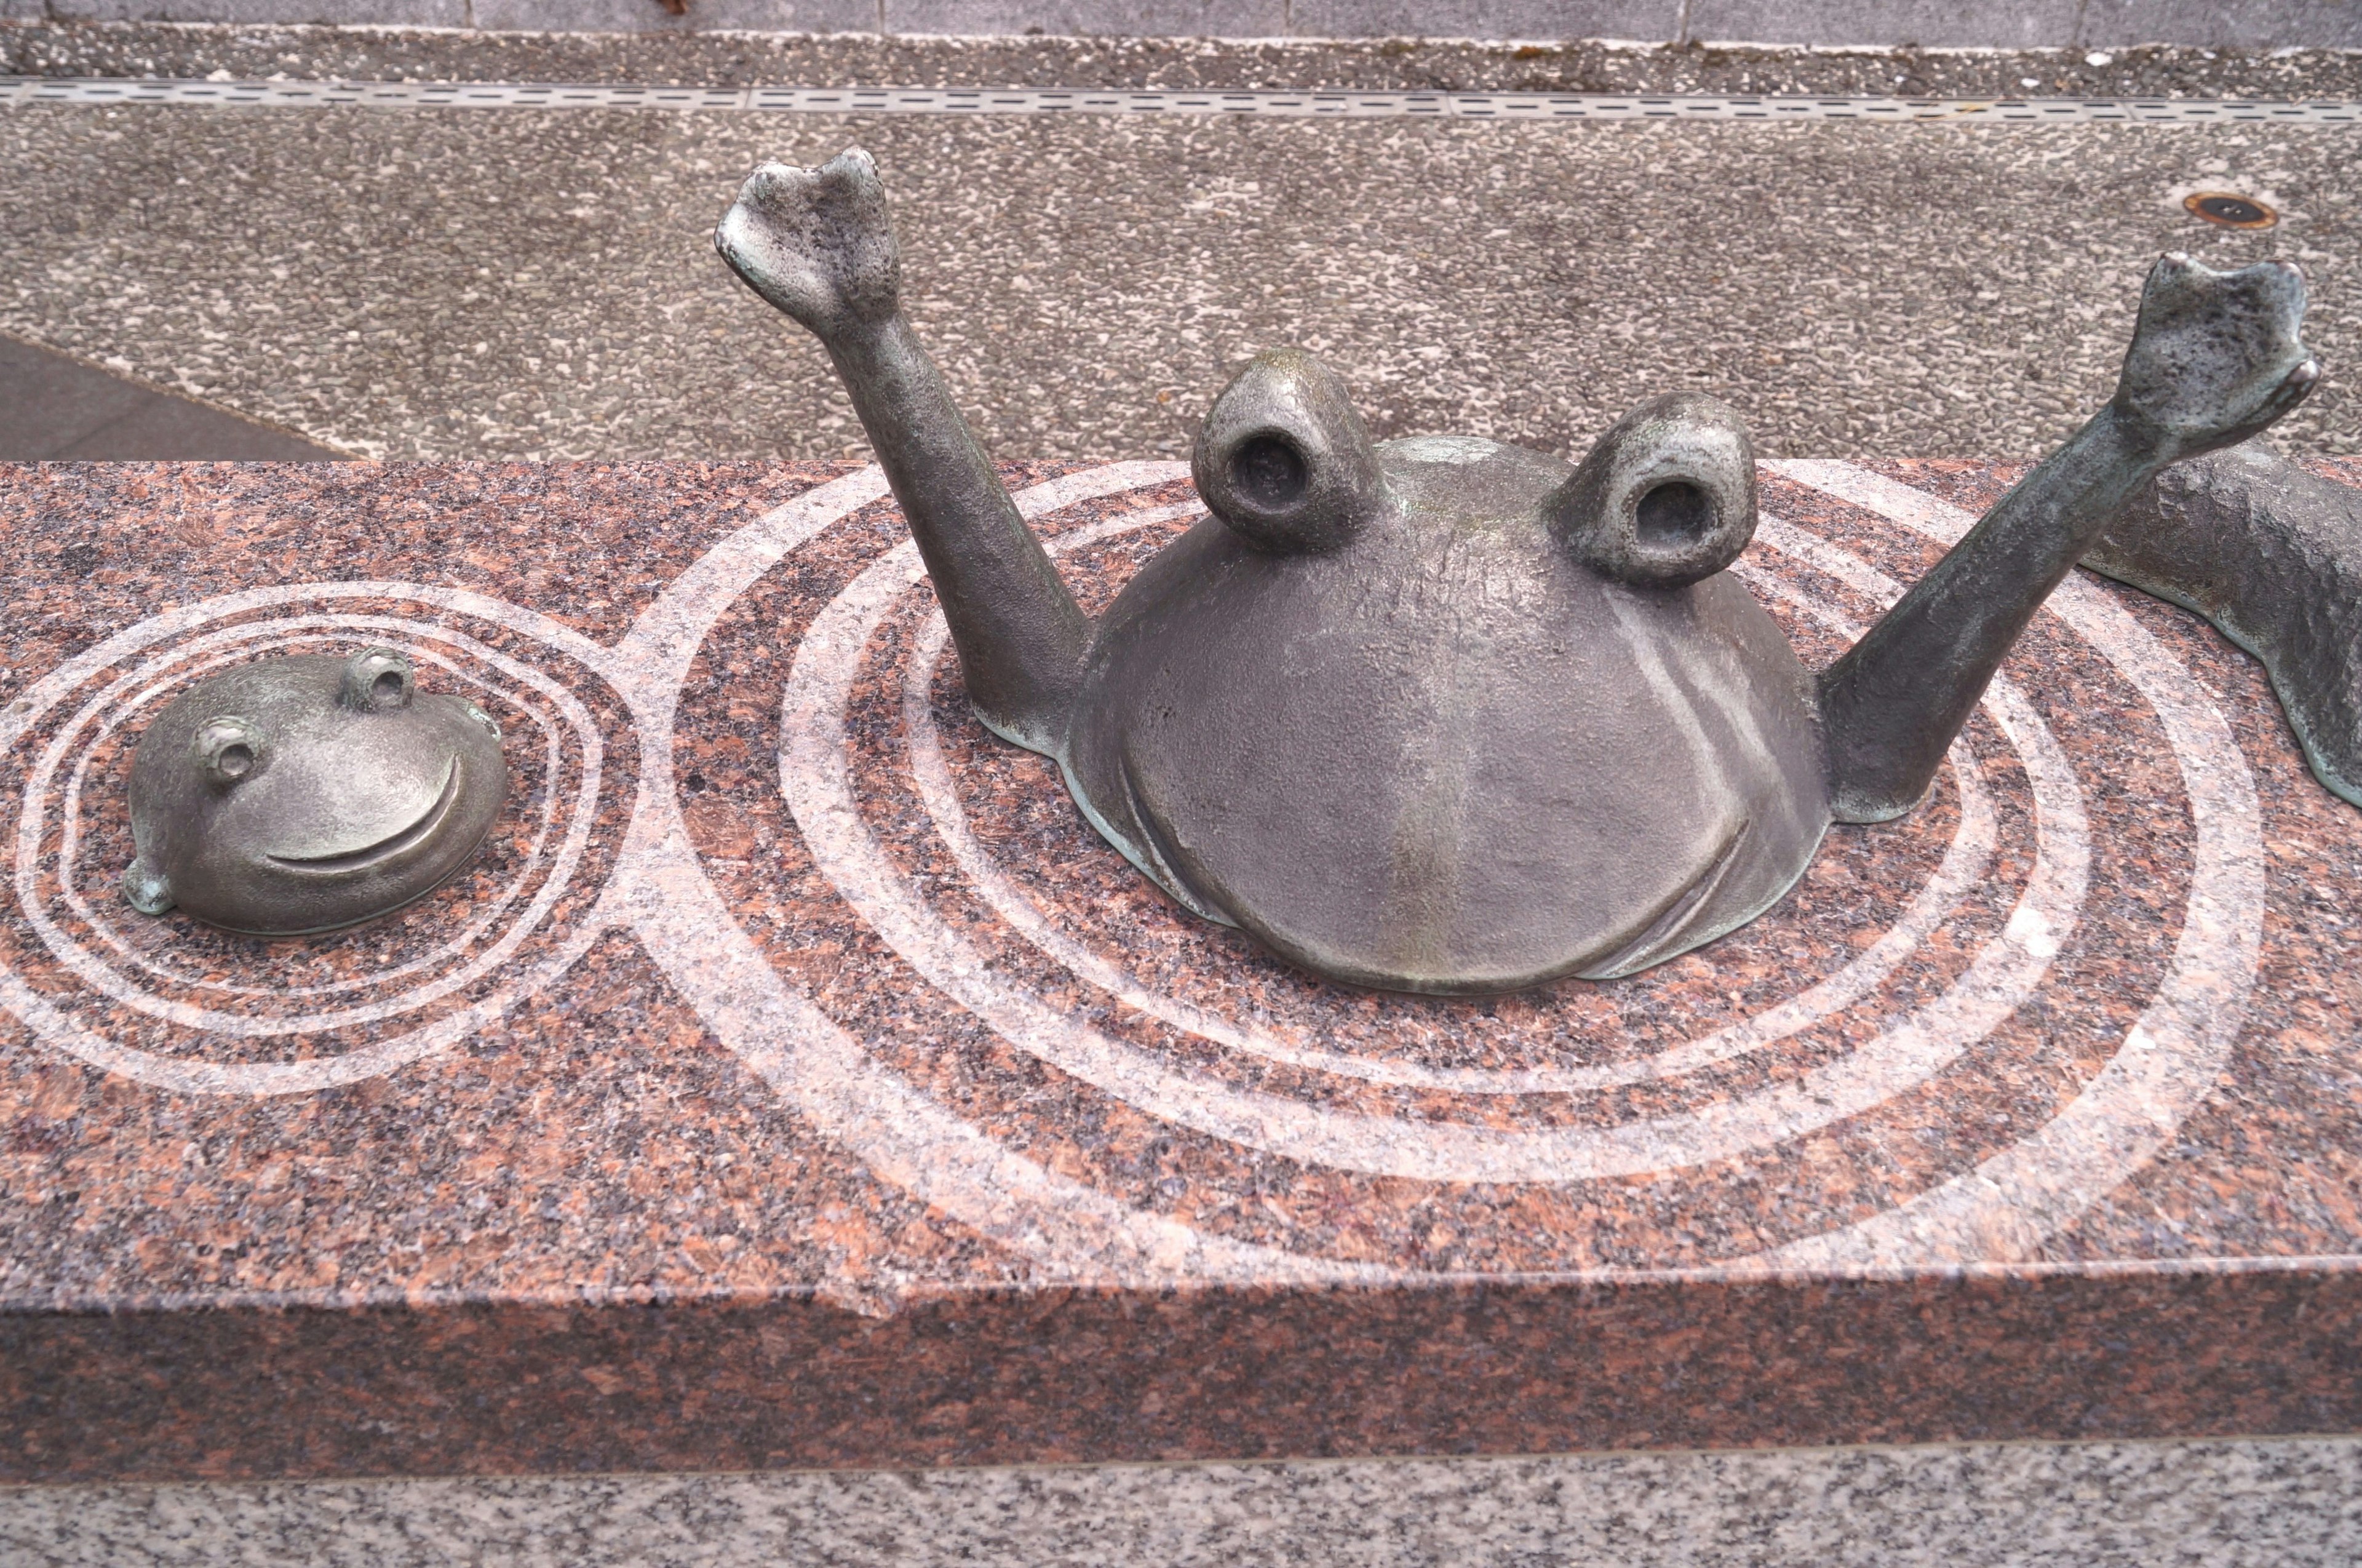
(307, 793)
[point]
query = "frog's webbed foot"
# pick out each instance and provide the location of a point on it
(2272, 555)
(816, 243)
(2214, 357)
(147, 890)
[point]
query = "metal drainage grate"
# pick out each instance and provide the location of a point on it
(2230, 210)
(1339, 105)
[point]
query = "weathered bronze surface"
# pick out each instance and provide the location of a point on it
(1442, 715)
(300, 794)
(2271, 555)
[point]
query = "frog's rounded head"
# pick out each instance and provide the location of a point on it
(306, 792)
(1445, 714)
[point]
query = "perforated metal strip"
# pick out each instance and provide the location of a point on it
(1038, 101)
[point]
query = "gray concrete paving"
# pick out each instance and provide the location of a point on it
(2257, 1503)
(52, 407)
(2011, 23)
(35, 48)
(533, 283)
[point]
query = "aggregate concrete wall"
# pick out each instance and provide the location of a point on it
(1998, 23)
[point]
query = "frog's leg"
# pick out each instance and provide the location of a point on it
(817, 244)
(2272, 555)
(2215, 357)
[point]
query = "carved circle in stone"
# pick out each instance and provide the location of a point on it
(174, 1004)
(1236, 1062)
(951, 977)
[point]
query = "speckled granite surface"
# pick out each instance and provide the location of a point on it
(797, 1082)
(2238, 1503)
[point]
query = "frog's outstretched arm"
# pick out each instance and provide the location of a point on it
(817, 244)
(2215, 357)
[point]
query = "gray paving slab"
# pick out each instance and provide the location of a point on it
(687, 16)
(2256, 1503)
(54, 407)
(347, 13)
(2333, 23)
(531, 284)
(165, 430)
(680, 54)
(1535, 19)
(1166, 18)
(2019, 24)
(2006, 24)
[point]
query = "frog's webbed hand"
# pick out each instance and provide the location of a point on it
(2215, 357)
(818, 245)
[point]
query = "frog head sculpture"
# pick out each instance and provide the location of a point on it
(1443, 716)
(302, 793)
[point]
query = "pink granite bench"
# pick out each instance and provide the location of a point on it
(797, 1081)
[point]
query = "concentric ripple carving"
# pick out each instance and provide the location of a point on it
(1269, 1097)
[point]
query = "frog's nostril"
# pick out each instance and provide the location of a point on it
(1269, 471)
(1672, 515)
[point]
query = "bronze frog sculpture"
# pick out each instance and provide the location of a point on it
(1447, 716)
(307, 793)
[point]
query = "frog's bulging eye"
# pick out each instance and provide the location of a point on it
(376, 680)
(1269, 470)
(227, 750)
(1284, 459)
(1666, 498)
(1674, 515)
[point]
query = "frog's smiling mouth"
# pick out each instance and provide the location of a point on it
(384, 849)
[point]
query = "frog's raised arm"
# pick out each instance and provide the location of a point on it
(817, 244)
(2214, 358)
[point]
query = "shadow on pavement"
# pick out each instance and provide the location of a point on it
(55, 407)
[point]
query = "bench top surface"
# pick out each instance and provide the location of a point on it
(797, 1080)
